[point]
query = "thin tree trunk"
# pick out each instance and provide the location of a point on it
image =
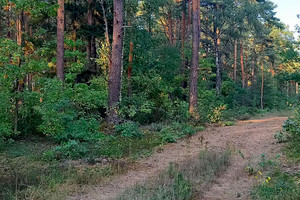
(129, 70)
(262, 87)
(8, 22)
(114, 81)
(193, 101)
(218, 61)
(253, 69)
(183, 32)
(19, 35)
(242, 64)
(297, 87)
(106, 33)
(91, 48)
(60, 40)
(170, 27)
(235, 60)
(190, 12)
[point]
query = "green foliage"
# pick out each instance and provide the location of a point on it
(129, 129)
(69, 150)
(69, 113)
(280, 186)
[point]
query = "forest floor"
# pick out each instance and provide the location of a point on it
(248, 140)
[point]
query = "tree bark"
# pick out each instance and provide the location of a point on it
(262, 87)
(170, 28)
(106, 33)
(193, 101)
(242, 64)
(218, 61)
(91, 44)
(19, 37)
(190, 12)
(183, 32)
(8, 22)
(253, 68)
(60, 40)
(129, 70)
(235, 60)
(114, 81)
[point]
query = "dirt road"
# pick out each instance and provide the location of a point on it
(252, 138)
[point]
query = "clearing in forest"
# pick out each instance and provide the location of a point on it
(250, 138)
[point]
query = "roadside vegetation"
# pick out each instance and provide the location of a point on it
(279, 178)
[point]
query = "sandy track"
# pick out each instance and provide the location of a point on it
(252, 138)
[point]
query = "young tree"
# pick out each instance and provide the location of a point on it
(60, 40)
(114, 81)
(193, 103)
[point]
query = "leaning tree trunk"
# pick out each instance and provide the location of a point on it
(193, 103)
(60, 40)
(114, 81)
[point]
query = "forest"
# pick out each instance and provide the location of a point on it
(93, 90)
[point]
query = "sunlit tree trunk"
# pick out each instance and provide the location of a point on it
(193, 101)
(60, 40)
(114, 81)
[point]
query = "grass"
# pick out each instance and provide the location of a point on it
(35, 169)
(181, 181)
(280, 186)
(25, 175)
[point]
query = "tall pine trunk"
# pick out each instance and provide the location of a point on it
(242, 64)
(60, 40)
(193, 101)
(262, 87)
(129, 70)
(91, 43)
(114, 81)
(183, 32)
(235, 60)
(19, 37)
(218, 61)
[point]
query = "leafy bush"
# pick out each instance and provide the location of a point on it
(69, 113)
(70, 150)
(129, 129)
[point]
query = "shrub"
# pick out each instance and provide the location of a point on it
(68, 113)
(129, 129)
